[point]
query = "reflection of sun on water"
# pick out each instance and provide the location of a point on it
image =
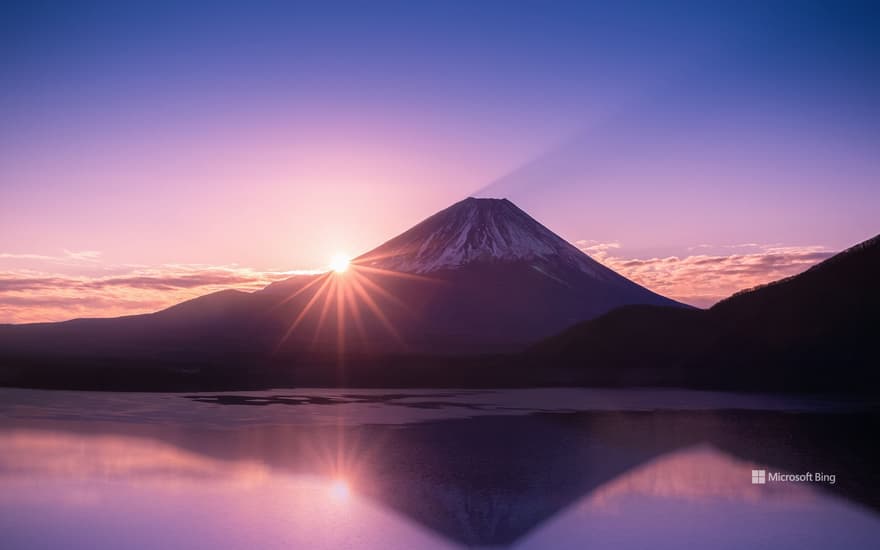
(339, 490)
(339, 263)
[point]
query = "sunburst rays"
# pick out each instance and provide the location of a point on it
(387, 272)
(305, 310)
(353, 296)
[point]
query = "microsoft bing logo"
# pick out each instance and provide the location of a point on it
(759, 477)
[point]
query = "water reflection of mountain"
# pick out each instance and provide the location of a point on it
(491, 480)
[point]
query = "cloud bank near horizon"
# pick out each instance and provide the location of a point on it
(702, 279)
(29, 296)
(713, 272)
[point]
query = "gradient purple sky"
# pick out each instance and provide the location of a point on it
(147, 148)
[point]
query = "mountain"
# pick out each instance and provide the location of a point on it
(813, 331)
(484, 231)
(482, 275)
(478, 277)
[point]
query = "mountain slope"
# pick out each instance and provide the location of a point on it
(478, 277)
(492, 278)
(481, 231)
(814, 330)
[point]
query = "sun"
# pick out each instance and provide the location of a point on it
(339, 262)
(339, 490)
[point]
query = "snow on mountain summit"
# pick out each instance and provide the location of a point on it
(479, 230)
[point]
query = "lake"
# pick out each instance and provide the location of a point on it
(543, 468)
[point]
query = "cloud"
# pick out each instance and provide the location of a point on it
(32, 296)
(83, 255)
(67, 257)
(594, 248)
(37, 296)
(703, 279)
(11, 282)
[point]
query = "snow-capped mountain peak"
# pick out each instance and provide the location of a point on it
(478, 230)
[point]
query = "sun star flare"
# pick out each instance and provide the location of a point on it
(339, 262)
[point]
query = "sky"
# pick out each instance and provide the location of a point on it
(155, 151)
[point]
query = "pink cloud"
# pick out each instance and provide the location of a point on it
(68, 257)
(38, 296)
(28, 296)
(703, 279)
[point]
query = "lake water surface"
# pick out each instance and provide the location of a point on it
(548, 468)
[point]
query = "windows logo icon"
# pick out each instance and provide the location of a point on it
(759, 477)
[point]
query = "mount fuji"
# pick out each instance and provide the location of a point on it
(487, 276)
(481, 230)
(479, 277)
